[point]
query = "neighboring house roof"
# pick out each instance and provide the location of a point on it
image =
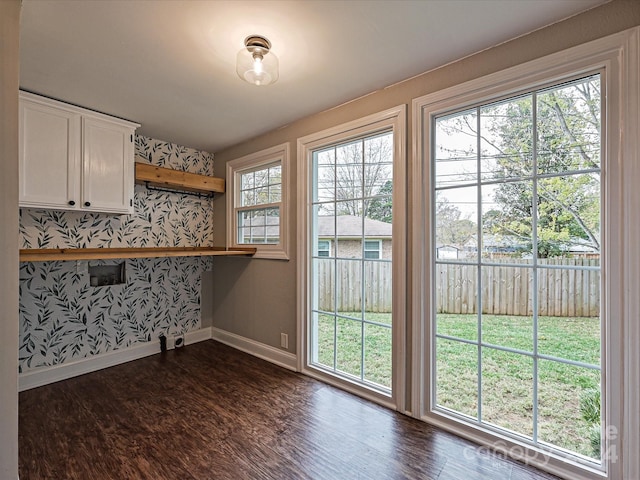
(351, 227)
(495, 243)
(578, 247)
(508, 243)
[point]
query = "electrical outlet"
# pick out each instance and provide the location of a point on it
(284, 340)
(178, 341)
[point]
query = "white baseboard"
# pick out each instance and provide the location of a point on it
(46, 375)
(266, 352)
(196, 336)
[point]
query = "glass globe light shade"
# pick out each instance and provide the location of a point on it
(255, 63)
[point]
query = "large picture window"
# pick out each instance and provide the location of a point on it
(526, 338)
(351, 317)
(516, 189)
(350, 257)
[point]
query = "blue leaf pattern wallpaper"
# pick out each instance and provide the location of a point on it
(63, 318)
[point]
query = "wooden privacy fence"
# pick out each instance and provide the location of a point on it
(349, 291)
(562, 292)
(506, 290)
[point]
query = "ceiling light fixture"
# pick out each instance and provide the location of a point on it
(256, 63)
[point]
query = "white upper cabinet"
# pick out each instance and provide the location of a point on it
(74, 159)
(107, 166)
(49, 156)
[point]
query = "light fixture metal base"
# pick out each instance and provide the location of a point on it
(257, 41)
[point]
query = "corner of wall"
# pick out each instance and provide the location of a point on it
(160, 295)
(9, 80)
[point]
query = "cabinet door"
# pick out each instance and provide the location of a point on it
(49, 153)
(108, 167)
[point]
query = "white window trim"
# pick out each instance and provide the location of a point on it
(329, 242)
(394, 118)
(253, 162)
(618, 57)
(364, 248)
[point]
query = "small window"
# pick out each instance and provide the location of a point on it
(372, 249)
(257, 215)
(324, 248)
(258, 212)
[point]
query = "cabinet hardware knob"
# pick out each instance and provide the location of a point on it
(87, 204)
(72, 203)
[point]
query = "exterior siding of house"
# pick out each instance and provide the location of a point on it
(352, 248)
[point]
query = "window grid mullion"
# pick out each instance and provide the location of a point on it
(534, 237)
(259, 206)
(540, 266)
(502, 348)
(362, 261)
(479, 243)
(335, 259)
(521, 178)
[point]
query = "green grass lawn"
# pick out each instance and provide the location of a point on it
(507, 388)
(349, 352)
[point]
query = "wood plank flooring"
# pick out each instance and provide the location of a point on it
(208, 411)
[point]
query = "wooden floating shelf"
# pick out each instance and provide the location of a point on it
(48, 254)
(167, 178)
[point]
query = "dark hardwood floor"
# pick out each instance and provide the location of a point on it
(208, 411)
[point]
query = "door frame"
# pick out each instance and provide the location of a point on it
(618, 56)
(394, 119)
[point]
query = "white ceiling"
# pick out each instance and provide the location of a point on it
(170, 65)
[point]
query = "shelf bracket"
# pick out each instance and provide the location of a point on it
(182, 192)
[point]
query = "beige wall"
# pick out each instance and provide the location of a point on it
(256, 298)
(206, 300)
(9, 28)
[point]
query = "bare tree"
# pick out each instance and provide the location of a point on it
(354, 174)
